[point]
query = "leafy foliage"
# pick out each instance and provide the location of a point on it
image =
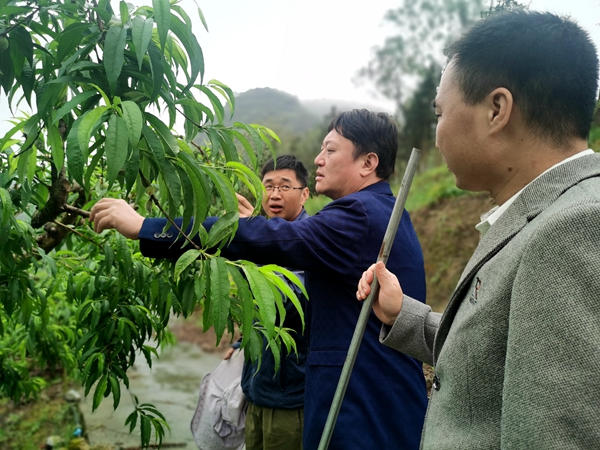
(106, 89)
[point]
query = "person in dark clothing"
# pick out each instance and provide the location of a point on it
(275, 416)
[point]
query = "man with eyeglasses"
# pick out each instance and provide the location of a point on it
(384, 405)
(275, 415)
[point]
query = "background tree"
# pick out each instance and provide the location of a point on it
(407, 67)
(107, 88)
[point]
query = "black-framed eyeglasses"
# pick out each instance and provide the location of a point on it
(285, 188)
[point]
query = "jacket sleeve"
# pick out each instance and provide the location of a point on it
(414, 330)
(332, 239)
(550, 396)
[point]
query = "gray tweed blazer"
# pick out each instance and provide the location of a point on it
(517, 351)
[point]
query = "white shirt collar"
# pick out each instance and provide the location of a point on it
(488, 219)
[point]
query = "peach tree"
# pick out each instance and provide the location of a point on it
(110, 100)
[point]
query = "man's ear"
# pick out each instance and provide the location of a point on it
(304, 197)
(369, 165)
(500, 104)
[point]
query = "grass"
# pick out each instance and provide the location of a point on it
(427, 189)
(28, 426)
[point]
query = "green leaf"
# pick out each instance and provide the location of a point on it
(219, 289)
(201, 193)
(158, 70)
(7, 71)
(189, 205)
(75, 157)
(77, 100)
(288, 274)
(222, 227)
(245, 296)
(132, 169)
(247, 147)
(162, 15)
(132, 420)
(133, 118)
(226, 192)
(145, 426)
(115, 147)
(141, 32)
(184, 261)
(228, 91)
(124, 10)
(255, 137)
(89, 121)
(268, 272)
(193, 49)
(27, 82)
(115, 388)
(69, 39)
(214, 100)
(99, 392)
(201, 15)
(56, 145)
(22, 39)
(6, 202)
(164, 132)
(155, 145)
(47, 97)
(114, 48)
(263, 295)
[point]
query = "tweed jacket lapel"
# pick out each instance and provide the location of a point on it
(533, 200)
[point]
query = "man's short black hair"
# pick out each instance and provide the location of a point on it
(287, 162)
(370, 133)
(548, 63)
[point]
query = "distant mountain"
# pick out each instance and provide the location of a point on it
(275, 109)
(322, 107)
(285, 113)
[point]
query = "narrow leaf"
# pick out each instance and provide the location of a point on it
(89, 121)
(75, 158)
(157, 67)
(222, 227)
(133, 119)
(162, 15)
(114, 48)
(142, 33)
(77, 100)
(245, 296)
(263, 295)
(57, 146)
(220, 301)
(184, 261)
(115, 147)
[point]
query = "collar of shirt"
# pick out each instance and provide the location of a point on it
(489, 218)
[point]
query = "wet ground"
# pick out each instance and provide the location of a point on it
(171, 385)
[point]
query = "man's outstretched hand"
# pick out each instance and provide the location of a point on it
(245, 208)
(118, 214)
(388, 304)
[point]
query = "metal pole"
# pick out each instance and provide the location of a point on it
(361, 325)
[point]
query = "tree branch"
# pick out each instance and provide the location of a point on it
(172, 222)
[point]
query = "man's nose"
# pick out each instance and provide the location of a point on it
(319, 159)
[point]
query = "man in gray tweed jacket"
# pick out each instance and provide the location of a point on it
(517, 351)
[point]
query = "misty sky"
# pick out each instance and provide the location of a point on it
(309, 48)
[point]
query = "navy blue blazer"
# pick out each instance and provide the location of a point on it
(384, 406)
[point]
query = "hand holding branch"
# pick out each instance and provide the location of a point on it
(118, 214)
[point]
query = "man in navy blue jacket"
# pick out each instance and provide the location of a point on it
(385, 404)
